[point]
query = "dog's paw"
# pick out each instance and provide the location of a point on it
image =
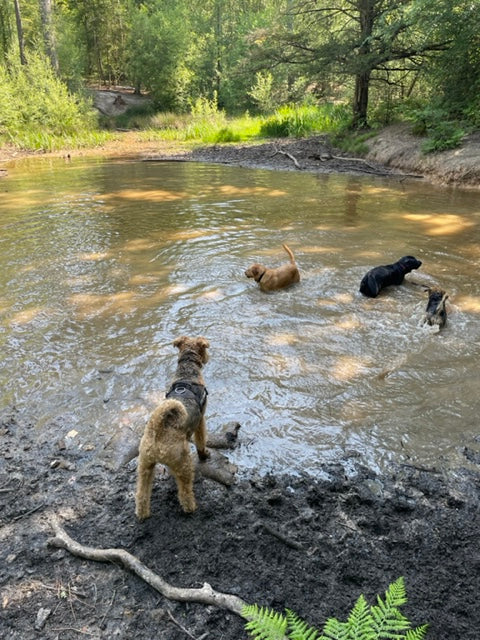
(142, 514)
(189, 505)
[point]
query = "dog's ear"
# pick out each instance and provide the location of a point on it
(254, 271)
(203, 345)
(179, 342)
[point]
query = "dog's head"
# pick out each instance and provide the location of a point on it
(256, 271)
(409, 263)
(435, 312)
(197, 345)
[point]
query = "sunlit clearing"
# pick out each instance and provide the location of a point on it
(231, 190)
(347, 367)
(151, 195)
(282, 338)
(27, 315)
(440, 224)
(468, 303)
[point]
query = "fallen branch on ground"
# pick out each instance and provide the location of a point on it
(205, 595)
(289, 155)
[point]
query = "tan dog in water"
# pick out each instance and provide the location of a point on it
(277, 278)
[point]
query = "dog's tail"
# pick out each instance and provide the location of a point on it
(290, 253)
(170, 414)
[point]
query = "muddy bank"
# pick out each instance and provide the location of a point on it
(392, 152)
(395, 147)
(310, 544)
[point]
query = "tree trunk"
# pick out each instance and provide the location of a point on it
(48, 32)
(360, 101)
(362, 77)
(21, 44)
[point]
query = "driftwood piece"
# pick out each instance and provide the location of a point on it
(217, 467)
(227, 439)
(204, 595)
(289, 155)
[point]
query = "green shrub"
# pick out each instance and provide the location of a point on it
(376, 622)
(37, 109)
(437, 125)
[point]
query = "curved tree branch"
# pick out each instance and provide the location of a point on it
(204, 595)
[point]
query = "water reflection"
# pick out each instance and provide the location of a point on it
(103, 264)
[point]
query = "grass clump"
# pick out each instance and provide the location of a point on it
(304, 120)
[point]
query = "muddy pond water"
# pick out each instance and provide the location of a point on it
(103, 263)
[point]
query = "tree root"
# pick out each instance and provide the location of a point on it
(205, 595)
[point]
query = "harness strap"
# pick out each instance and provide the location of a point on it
(184, 389)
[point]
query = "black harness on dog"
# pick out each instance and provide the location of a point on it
(192, 390)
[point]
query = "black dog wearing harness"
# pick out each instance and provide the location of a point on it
(380, 277)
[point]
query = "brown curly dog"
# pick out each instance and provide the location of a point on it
(167, 434)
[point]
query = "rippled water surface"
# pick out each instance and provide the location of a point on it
(103, 264)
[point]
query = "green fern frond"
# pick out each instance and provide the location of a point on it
(417, 634)
(264, 624)
(360, 620)
(335, 630)
(383, 621)
(396, 594)
(359, 625)
(389, 622)
(299, 629)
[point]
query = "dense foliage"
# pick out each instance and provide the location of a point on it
(381, 59)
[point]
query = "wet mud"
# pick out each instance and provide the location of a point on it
(310, 544)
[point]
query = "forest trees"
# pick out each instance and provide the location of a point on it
(359, 40)
(342, 50)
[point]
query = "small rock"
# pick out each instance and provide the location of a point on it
(42, 617)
